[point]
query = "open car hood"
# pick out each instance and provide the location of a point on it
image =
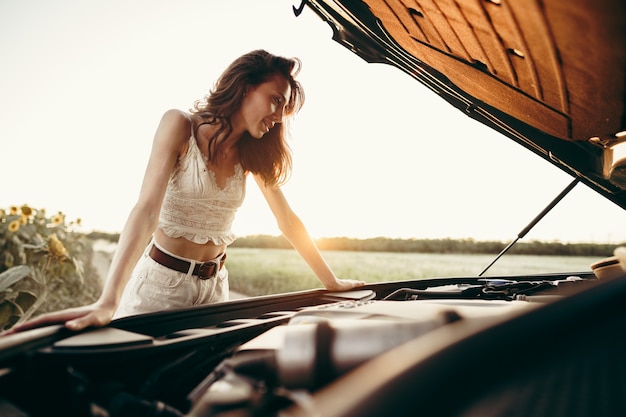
(543, 344)
(548, 74)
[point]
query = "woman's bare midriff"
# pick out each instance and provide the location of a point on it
(186, 249)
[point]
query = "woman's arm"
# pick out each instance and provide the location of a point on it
(171, 136)
(294, 230)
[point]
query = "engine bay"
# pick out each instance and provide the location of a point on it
(262, 359)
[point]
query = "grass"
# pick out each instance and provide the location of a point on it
(272, 271)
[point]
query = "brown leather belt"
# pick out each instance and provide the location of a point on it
(205, 270)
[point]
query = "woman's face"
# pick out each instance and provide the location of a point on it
(264, 105)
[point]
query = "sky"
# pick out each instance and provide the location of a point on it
(83, 84)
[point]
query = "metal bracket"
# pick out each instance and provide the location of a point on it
(298, 10)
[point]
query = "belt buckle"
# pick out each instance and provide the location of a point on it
(203, 269)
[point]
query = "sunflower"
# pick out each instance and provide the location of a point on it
(26, 210)
(14, 226)
(55, 247)
(58, 219)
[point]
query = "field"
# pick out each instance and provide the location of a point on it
(270, 271)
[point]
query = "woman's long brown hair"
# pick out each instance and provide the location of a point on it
(269, 157)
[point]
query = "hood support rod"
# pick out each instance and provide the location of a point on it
(532, 224)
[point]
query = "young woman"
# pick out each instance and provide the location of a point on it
(193, 185)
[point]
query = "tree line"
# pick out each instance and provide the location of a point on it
(448, 245)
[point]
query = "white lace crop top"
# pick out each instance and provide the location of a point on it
(195, 207)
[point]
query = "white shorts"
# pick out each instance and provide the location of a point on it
(154, 287)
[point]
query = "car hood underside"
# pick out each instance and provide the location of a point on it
(549, 74)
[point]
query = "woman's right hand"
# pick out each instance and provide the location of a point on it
(76, 318)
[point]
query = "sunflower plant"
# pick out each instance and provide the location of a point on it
(43, 261)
